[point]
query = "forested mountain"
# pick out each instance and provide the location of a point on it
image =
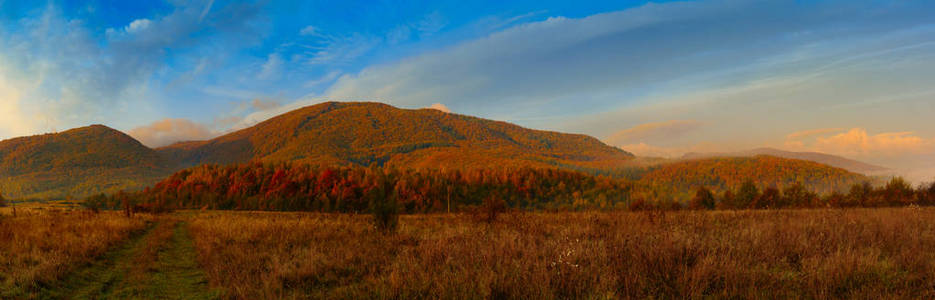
(822, 158)
(422, 144)
(730, 172)
(76, 162)
(97, 159)
(364, 134)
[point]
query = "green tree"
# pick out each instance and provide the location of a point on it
(703, 199)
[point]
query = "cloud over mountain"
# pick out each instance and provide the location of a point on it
(168, 131)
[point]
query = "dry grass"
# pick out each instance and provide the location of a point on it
(38, 247)
(858, 253)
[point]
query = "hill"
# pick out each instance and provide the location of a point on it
(822, 158)
(76, 162)
(365, 134)
(730, 172)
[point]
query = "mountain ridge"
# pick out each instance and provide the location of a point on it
(822, 158)
(59, 165)
(96, 158)
(364, 133)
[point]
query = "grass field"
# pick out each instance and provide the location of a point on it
(823, 254)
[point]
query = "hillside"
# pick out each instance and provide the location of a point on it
(731, 172)
(822, 158)
(76, 162)
(364, 134)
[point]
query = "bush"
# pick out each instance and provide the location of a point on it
(493, 206)
(746, 196)
(383, 206)
(703, 199)
(641, 204)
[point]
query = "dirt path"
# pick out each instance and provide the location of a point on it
(159, 264)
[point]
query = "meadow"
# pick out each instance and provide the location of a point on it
(808, 253)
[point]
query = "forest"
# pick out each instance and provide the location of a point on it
(299, 187)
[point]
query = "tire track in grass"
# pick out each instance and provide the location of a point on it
(159, 264)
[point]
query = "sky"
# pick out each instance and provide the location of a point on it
(853, 78)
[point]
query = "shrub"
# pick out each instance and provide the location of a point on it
(640, 204)
(746, 196)
(383, 206)
(703, 199)
(493, 206)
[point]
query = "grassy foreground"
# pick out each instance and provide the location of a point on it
(823, 254)
(862, 253)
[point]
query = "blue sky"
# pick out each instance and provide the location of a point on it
(852, 78)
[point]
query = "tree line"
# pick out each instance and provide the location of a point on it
(297, 187)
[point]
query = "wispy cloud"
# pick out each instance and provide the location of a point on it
(653, 132)
(80, 79)
(168, 131)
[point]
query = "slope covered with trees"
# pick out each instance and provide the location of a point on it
(719, 174)
(301, 187)
(822, 158)
(76, 162)
(365, 134)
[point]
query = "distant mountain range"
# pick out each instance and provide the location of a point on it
(97, 159)
(827, 159)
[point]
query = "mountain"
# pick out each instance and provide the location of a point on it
(76, 162)
(730, 172)
(827, 159)
(364, 134)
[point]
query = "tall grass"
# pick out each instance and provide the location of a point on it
(38, 247)
(830, 253)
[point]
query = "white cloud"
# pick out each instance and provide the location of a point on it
(656, 131)
(138, 25)
(205, 11)
(63, 75)
(309, 30)
(272, 67)
(168, 131)
(856, 142)
(331, 76)
(339, 50)
(440, 107)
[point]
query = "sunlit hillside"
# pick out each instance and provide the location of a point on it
(76, 163)
(364, 134)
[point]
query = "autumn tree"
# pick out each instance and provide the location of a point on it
(926, 194)
(2, 200)
(898, 192)
(746, 196)
(860, 194)
(727, 200)
(797, 195)
(703, 199)
(493, 206)
(770, 198)
(383, 204)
